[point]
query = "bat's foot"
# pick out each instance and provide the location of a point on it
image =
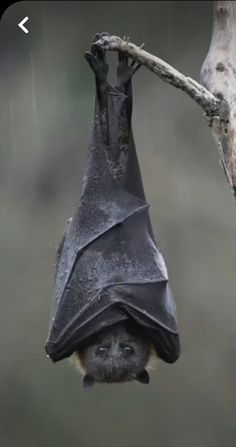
(125, 71)
(97, 59)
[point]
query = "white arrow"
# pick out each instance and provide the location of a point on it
(21, 25)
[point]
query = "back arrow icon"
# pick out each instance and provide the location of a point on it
(21, 25)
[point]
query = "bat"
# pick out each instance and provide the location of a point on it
(112, 305)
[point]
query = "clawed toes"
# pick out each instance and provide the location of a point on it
(126, 39)
(98, 36)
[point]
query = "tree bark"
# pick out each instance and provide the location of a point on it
(218, 75)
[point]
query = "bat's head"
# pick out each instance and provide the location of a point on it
(118, 354)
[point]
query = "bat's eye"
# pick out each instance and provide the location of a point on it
(102, 350)
(127, 349)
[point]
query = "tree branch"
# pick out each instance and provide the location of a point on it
(217, 92)
(199, 93)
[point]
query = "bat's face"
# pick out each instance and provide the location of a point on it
(116, 355)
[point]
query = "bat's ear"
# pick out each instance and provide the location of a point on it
(88, 382)
(143, 377)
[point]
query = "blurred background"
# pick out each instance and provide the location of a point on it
(47, 104)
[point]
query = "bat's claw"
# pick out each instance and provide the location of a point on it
(96, 46)
(98, 36)
(126, 39)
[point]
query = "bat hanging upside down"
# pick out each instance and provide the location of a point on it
(113, 308)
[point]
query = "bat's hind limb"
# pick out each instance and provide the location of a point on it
(125, 70)
(97, 59)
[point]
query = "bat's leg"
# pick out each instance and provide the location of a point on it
(125, 71)
(97, 61)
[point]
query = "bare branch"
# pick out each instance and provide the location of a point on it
(217, 92)
(199, 93)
